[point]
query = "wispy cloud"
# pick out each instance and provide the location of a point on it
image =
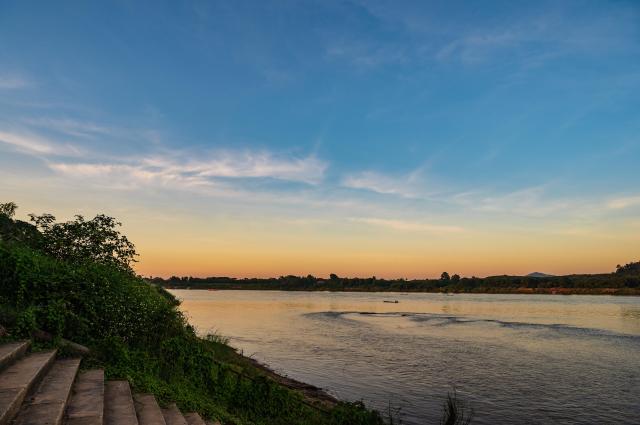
(476, 47)
(408, 226)
(129, 177)
(69, 127)
(158, 164)
(199, 170)
(261, 164)
(623, 202)
(242, 164)
(12, 82)
(535, 201)
(561, 34)
(407, 186)
(530, 201)
(33, 144)
(365, 55)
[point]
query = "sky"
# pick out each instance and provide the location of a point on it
(386, 138)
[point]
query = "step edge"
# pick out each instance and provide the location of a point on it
(8, 415)
(11, 357)
(99, 414)
(154, 406)
(129, 396)
(59, 404)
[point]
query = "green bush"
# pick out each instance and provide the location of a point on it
(25, 322)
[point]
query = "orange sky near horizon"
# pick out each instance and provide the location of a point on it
(353, 251)
(356, 138)
(198, 242)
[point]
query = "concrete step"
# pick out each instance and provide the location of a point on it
(148, 411)
(12, 351)
(172, 415)
(19, 379)
(194, 419)
(118, 404)
(86, 406)
(47, 405)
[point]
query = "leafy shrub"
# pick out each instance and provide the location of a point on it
(80, 241)
(26, 323)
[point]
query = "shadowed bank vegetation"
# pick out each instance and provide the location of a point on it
(74, 280)
(624, 281)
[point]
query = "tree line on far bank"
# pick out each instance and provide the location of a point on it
(625, 280)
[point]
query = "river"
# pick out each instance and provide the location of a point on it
(514, 359)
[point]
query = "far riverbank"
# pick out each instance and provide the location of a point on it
(504, 291)
(624, 281)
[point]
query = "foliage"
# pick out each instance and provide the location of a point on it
(79, 241)
(19, 231)
(630, 268)
(16, 230)
(136, 332)
(8, 209)
(25, 323)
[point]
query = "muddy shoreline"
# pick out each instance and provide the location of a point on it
(312, 394)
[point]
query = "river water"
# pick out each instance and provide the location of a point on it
(514, 359)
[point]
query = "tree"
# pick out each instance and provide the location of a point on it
(8, 209)
(81, 240)
(333, 276)
(445, 276)
(630, 268)
(16, 230)
(455, 278)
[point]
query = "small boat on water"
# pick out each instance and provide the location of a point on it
(391, 301)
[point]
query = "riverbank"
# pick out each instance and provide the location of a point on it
(624, 281)
(312, 394)
(506, 291)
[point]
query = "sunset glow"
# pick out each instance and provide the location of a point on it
(348, 138)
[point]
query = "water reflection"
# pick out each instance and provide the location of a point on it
(517, 358)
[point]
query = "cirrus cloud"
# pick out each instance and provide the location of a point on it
(404, 186)
(37, 145)
(12, 82)
(204, 171)
(408, 226)
(623, 202)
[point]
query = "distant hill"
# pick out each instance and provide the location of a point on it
(538, 274)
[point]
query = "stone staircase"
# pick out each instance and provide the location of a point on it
(40, 389)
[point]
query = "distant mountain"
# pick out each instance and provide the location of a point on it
(538, 274)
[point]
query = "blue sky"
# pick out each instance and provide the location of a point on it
(420, 120)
